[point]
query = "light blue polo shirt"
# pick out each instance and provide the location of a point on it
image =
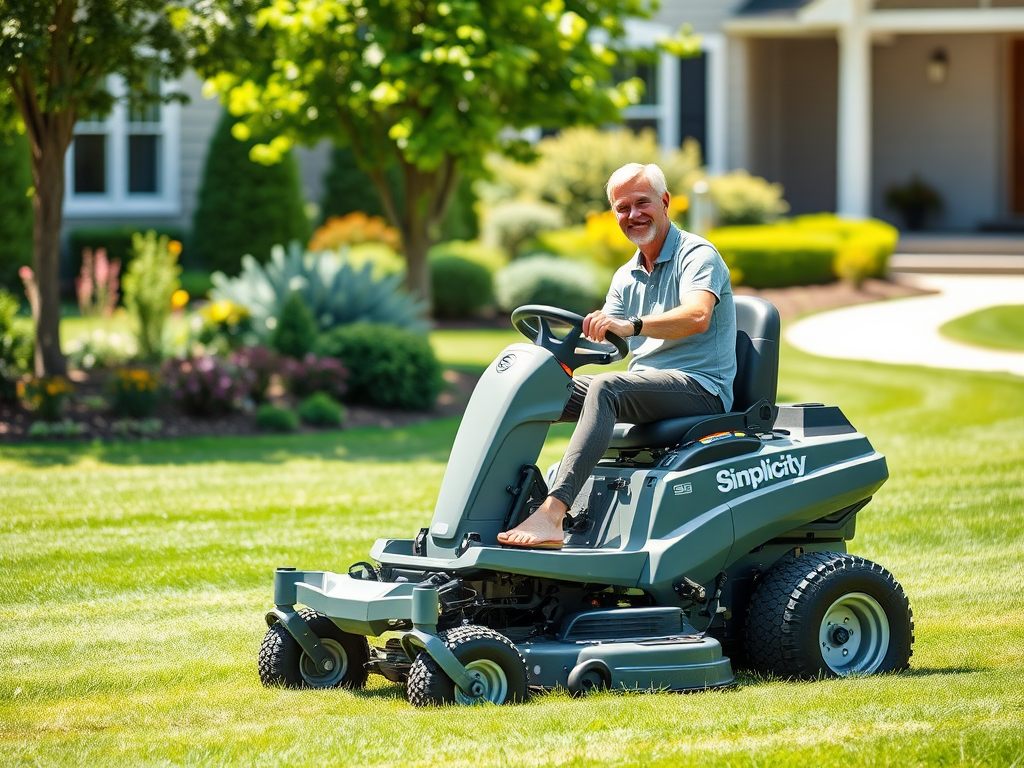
(686, 263)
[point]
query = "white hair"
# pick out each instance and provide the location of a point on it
(650, 173)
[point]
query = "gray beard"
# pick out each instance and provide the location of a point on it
(641, 240)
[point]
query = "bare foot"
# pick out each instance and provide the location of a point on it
(542, 529)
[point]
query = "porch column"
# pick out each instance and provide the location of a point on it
(853, 193)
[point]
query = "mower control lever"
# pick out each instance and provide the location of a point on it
(573, 349)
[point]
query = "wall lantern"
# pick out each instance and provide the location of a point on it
(938, 67)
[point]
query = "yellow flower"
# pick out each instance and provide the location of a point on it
(220, 311)
(179, 299)
(174, 247)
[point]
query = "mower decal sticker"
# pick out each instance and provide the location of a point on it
(682, 489)
(505, 362)
(786, 466)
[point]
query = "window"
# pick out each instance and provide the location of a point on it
(125, 163)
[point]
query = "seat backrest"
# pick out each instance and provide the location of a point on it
(757, 352)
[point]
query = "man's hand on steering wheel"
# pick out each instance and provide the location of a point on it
(597, 324)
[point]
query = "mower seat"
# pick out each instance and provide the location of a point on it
(754, 389)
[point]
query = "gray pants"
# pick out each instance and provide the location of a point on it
(639, 397)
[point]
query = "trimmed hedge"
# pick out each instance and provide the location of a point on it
(802, 251)
(389, 367)
(460, 287)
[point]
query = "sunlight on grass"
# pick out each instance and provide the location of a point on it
(136, 577)
(994, 327)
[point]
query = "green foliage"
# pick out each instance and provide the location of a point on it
(775, 256)
(151, 279)
(134, 393)
(915, 201)
(244, 207)
(16, 348)
(101, 349)
(272, 418)
(116, 241)
(807, 250)
(514, 224)
(313, 374)
(389, 367)
(347, 188)
(15, 208)
(335, 291)
(428, 88)
(744, 199)
(45, 396)
(296, 330)
(461, 286)
(575, 165)
(320, 410)
(196, 283)
(562, 283)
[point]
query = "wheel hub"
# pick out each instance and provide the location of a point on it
(489, 684)
(331, 671)
(854, 634)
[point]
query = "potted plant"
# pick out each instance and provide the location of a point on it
(914, 200)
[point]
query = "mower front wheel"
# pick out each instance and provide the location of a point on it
(829, 614)
(488, 656)
(284, 664)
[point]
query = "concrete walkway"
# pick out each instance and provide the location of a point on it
(906, 331)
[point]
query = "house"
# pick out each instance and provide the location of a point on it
(835, 99)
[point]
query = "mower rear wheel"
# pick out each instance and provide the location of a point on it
(488, 656)
(829, 614)
(283, 663)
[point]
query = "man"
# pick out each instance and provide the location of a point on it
(673, 303)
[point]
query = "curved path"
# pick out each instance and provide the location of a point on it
(906, 331)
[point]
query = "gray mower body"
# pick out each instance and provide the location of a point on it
(663, 546)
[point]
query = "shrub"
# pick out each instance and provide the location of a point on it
(514, 224)
(320, 410)
(574, 167)
(915, 201)
(97, 283)
(15, 207)
(474, 250)
(206, 385)
(196, 283)
(461, 287)
(45, 397)
(17, 346)
(263, 363)
(244, 207)
(744, 199)
(135, 393)
(222, 326)
(100, 349)
(775, 256)
(62, 428)
(853, 265)
(354, 228)
(562, 283)
(336, 292)
(295, 330)
(151, 281)
(389, 367)
(115, 240)
(272, 418)
(314, 374)
(869, 235)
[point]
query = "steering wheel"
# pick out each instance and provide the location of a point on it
(574, 349)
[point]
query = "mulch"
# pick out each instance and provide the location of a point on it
(97, 423)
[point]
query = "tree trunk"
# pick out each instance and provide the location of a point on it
(417, 271)
(48, 210)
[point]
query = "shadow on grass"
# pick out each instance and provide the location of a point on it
(428, 441)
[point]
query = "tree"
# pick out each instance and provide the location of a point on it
(245, 207)
(55, 59)
(426, 87)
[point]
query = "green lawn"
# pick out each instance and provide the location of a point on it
(135, 578)
(999, 327)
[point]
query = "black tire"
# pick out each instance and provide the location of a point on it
(488, 654)
(828, 614)
(589, 676)
(284, 664)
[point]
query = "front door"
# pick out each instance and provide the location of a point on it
(1017, 129)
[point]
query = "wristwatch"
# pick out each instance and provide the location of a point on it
(638, 325)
